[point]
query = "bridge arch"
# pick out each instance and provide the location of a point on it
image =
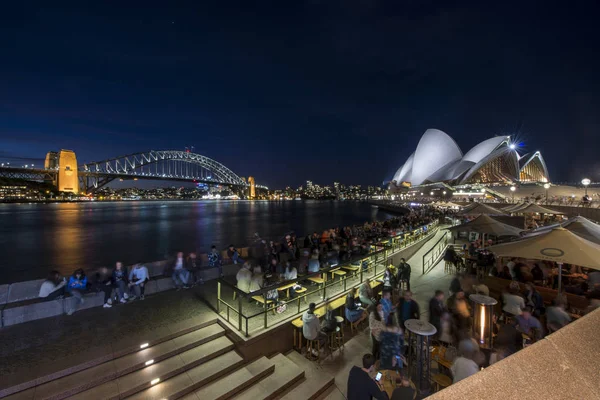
(159, 164)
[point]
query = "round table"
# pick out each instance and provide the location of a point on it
(419, 363)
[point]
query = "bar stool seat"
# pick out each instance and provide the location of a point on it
(300, 291)
(336, 339)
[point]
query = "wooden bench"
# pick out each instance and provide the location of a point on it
(262, 300)
(287, 288)
(351, 268)
(317, 280)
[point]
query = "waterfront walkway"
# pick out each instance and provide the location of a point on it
(40, 347)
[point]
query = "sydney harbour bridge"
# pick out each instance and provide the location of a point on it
(62, 170)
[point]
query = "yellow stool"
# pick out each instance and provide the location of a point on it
(313, 345)
(441, 381)
(300, 291)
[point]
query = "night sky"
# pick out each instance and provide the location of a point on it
(289, 91)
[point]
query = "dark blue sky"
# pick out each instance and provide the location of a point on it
(289, 91)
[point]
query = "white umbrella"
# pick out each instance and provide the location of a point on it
(558, 245)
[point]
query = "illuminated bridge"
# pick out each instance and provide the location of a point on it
(61, 168)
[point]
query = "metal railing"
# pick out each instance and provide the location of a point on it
(370, 266)
(432, 254)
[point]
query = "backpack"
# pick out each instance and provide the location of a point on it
(280, 308)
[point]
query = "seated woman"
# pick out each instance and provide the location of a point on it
(243, 277)
(354, 314)
(391, 345)
(365, 294)
(76, 287)
(53, 287)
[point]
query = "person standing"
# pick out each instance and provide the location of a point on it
(243, 277)
(436, 309)
(234, 255)
(193, 267)
(407, 308)
(404, 271)
(360, 384)
(376, 324)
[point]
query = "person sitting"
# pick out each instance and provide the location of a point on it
(537, 273)
(274, 267)
(179, 274)
(119, 281)
(311, 329)
(290, 272)
(505, 273)
(137, 280)
(529, 325)
(365, 294)
(407, 308)
(314, 264)
(556, 316)
(534, 300)
(391, 345)
(465, 364)
(76, 287)
(243, 277)
(360, 384)
(53, 287)
(404, 391)
(329, 323)
(234, 255)
(214, 260)
(257, 282)
(103, 283)
(513, 303)
(386, 302)
(354, 314)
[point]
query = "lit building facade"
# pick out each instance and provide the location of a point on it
(438, 159)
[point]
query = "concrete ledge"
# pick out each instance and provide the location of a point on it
(17, 314)
(90, 300)
(22, 291)
(164, 284)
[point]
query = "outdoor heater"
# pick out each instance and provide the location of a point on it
(483, 322)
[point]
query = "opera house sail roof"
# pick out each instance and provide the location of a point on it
(439, 159)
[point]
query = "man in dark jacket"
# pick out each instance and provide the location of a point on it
(360, 384)
(407, 308)
(404, 272)
(436, 309)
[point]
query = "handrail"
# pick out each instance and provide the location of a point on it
(375, 264)
(436, 253)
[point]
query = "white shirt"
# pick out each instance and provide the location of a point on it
(291, 274)
(243, 279)
(513, 304)
(141, 274)
(463, 368)
(179, 263)
(511, 268)
(48, 287)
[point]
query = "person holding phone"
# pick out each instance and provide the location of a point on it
(360, 384)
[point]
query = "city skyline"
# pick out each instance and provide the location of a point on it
(286, 92)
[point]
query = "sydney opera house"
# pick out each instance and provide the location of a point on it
(438, 159)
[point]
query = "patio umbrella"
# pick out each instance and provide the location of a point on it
(480, 208)
(513, 207)
(558, 245)
(534, 208)
(580, 226)
(487, 225)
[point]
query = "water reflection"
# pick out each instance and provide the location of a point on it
(37, 237)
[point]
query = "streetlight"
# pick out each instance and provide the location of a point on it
(512, 189)
(585, 182)
(546, 186)
(431, 193)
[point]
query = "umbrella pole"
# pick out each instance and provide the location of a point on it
(559, 276)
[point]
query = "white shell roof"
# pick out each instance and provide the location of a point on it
(403, 173)
(435, 150)
(481, 150)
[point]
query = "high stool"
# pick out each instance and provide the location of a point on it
(441, 381)
(299, 292)
(340, 321)
(336, 339)
(313, 345)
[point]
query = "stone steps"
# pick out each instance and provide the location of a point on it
(111, 371)
(316, 381)
(147, 377)
(229, 385)
(286, 376)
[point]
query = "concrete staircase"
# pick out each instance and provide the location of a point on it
(199, 364)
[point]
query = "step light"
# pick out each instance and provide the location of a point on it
(143, 345)
(154, 381)
(149, 362)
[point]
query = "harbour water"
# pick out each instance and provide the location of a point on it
(35, 238)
